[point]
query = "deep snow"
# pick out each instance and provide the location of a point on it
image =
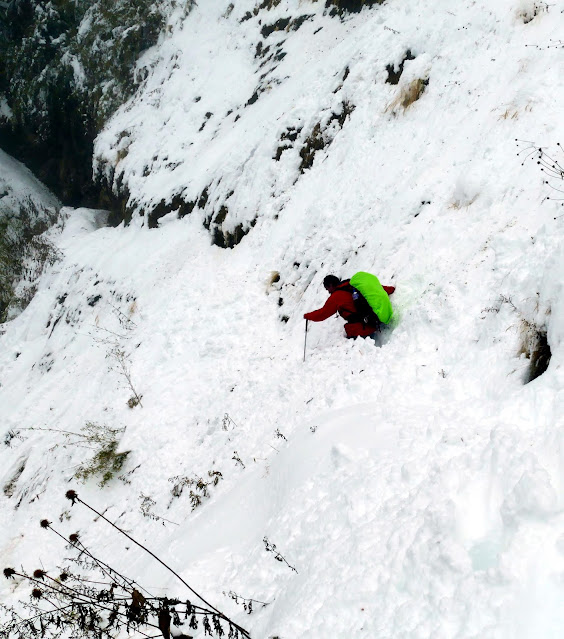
(419, 492)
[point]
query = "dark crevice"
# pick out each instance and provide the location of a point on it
(342, 7)
(279, 25)
(287, 140)
(394, 73)
(539, 354)
(318, 139)
(284, 24)
(178, 204)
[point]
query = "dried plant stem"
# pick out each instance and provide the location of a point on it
(74, 497)
(80, 598)
(124, 370)
(111, 573)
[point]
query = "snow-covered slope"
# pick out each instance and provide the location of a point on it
(417, 488)
(19, 190)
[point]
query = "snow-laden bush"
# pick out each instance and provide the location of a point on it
(528, 10)
(106, 460)
(24, 253)
(27, 209)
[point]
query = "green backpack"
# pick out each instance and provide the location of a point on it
(370, 288)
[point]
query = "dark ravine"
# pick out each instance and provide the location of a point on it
(55, 114)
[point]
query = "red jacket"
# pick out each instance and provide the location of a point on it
(341, 302)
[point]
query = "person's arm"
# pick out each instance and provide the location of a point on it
(330, 308)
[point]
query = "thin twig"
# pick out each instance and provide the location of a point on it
(107, 570)
(77, 498)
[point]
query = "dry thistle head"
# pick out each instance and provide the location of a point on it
(71, 494)
(9, 573)
(74, 538)
(39, 574)
(44, 523)
(63, 576)
(36, 593)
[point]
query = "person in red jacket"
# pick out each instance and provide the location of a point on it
(341, 301)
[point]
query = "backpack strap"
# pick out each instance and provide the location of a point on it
(363, 313)
(353, 316)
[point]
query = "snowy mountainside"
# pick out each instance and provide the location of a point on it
(417, 488)
(236, 105)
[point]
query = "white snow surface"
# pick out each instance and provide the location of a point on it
(418, 488)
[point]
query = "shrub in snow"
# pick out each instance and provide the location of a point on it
(238, 461)
(122, 364)
(12, 435)
(146, 508)
(408, 95)
(248, 604)
(227, 422)
(287, 139)
(134, 401)
(549, 163)
(199, 487)
(528, 10)
(270, 547)
(24, 254)
(106, 462)
(10, 486)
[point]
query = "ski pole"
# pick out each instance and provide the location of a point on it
(305, 339)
